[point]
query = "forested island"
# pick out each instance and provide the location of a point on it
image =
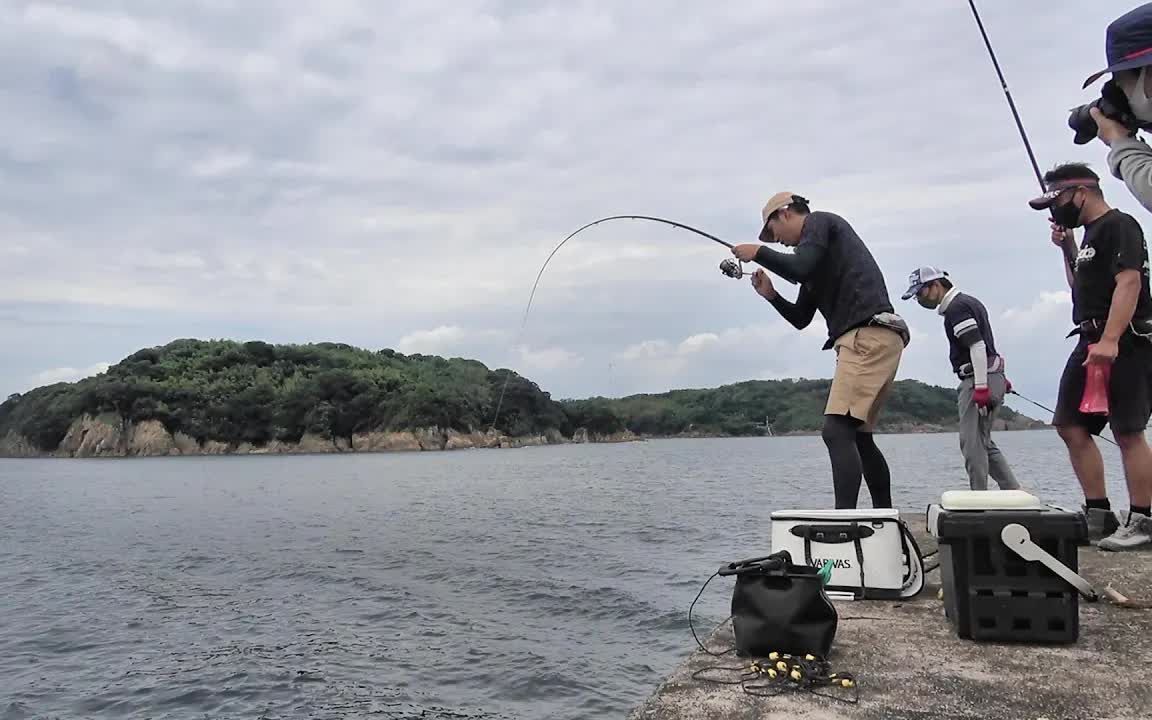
(225, 397)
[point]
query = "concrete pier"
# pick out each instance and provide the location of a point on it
(910, 664)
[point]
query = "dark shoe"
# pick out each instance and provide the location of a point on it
(1101, 523)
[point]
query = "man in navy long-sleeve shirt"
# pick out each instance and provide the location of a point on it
(980, 368)
(839, 278)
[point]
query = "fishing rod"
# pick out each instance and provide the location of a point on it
(1050, 411)
(1008, 95)
(728, 267)
(1069, 237)
(1028, 146)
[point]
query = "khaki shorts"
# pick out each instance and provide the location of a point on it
(866, 362)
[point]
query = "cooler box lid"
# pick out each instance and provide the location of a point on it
(967, 513)
(990, 500)
(846, 514)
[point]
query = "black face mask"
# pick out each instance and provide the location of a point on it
(1067, 215)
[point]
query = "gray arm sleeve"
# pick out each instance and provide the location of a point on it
(1130, 160)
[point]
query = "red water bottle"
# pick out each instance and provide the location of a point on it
(1095, 398)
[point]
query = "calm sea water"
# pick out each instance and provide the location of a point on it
(537, 583)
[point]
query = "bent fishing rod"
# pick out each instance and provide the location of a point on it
(728, 267)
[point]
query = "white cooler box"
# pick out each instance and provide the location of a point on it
(873, 554)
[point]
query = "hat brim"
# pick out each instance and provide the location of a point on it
(1129, 64)
(766, 234)
(912, 291)
(1058, 187)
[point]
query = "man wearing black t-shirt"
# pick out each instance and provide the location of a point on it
(980, 368)
(839, 277)
(1112, 309)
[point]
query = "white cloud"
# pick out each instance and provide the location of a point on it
(697, 343)
(127, 34)
(646, 350)
(548, 359)
(402, 169)
(221, 163)
(69, 374)
(157, 260)
(662, 359)
(445, 339)
(1049, 309)
(436, 340)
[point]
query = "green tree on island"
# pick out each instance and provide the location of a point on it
(254, 392)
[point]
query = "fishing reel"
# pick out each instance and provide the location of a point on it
(733, 269)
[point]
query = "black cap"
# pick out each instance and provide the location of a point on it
(1058, 186)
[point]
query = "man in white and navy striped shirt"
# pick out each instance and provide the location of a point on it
(972, 351)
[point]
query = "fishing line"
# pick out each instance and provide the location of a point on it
(726, 268)
(1052, 412)
(1045, 409)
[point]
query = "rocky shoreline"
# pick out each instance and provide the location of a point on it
(890, 429)
(112, 436)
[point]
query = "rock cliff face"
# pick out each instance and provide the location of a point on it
(112, 436)
(583, 436)
(17, 446)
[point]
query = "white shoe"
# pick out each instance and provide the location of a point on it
(1135, 533)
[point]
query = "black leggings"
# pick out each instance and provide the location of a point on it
(854, 453)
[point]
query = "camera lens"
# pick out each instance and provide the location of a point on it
(1112, 103)
(1082, 123)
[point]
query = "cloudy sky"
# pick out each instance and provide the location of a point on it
(394, 175)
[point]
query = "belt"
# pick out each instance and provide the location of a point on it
(886, 320)
(1140, 327)
(995, 365)
(1088, 326)
(893, 322)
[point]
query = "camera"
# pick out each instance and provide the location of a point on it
(1113, 103)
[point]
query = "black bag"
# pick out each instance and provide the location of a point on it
(780, 607)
